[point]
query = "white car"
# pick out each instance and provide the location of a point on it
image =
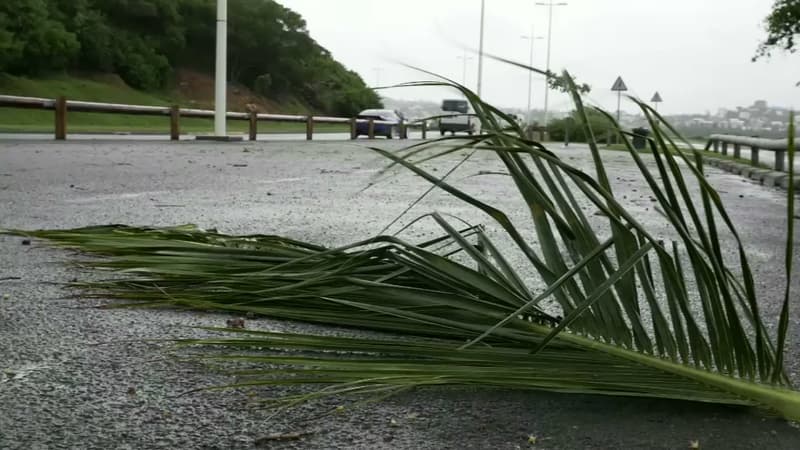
(379, 129)
(456, 118)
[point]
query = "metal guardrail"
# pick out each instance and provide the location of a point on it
(779, 146)
(62, 106)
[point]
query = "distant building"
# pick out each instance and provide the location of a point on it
(736, 124)
(697, 121)
(777, 125)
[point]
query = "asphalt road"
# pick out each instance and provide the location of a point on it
(86, 378)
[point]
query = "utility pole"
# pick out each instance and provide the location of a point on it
(532, 37)
(378, 71)
(465, 58)
(549, 41)
(480, 49)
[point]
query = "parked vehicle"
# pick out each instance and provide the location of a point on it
(517, 120)
(458, 119)
(381, 129)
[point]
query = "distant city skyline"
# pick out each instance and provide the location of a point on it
(697, 55)
(712, 111)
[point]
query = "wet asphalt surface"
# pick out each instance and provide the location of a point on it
(86, 378)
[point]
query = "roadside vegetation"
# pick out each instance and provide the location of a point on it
(145, 42)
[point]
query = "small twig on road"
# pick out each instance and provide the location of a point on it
(10, 278)
(282, 437)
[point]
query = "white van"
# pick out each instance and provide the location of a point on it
(456, 118)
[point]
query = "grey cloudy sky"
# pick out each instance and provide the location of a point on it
(696, 53)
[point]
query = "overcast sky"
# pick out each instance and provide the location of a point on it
(695, 53)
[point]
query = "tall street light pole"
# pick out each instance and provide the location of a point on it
(464, 58)
(480, 49)
(549, 41)
(221, 76)
(532, 37)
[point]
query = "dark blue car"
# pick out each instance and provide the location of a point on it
(381, 129)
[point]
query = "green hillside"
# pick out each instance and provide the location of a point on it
(146, 45)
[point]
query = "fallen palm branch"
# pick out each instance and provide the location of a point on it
(638, 317)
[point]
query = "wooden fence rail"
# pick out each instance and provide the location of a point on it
(61, 107)
(717, 142)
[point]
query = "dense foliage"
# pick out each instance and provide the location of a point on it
(144, 40)
(599, 124)
(783, 25)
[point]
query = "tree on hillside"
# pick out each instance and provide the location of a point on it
(32, 40)
(9, 47)
(143, 41)
(783, 26)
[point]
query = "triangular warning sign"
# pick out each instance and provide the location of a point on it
(619, 85)
(656, 98)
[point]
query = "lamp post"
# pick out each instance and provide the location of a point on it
(532, 37)
(549, 41)
(221, 76)
(464, 58)
(480, 49)
(221, 79)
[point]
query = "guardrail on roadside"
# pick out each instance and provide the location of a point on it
(61, 106)
(779, 146)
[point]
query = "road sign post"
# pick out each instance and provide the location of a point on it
(619, 87)
(656, 100)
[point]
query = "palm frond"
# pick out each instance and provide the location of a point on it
(641, 317)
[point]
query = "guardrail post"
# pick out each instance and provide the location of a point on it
(779, 164)
(737, 150)
(61, 118)
(371, 132)
(724, 148)
(174, 123)
(309, 128)
(754, 155)
(253, 125)
(716, 146)
(353, 126)
(424, 129)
